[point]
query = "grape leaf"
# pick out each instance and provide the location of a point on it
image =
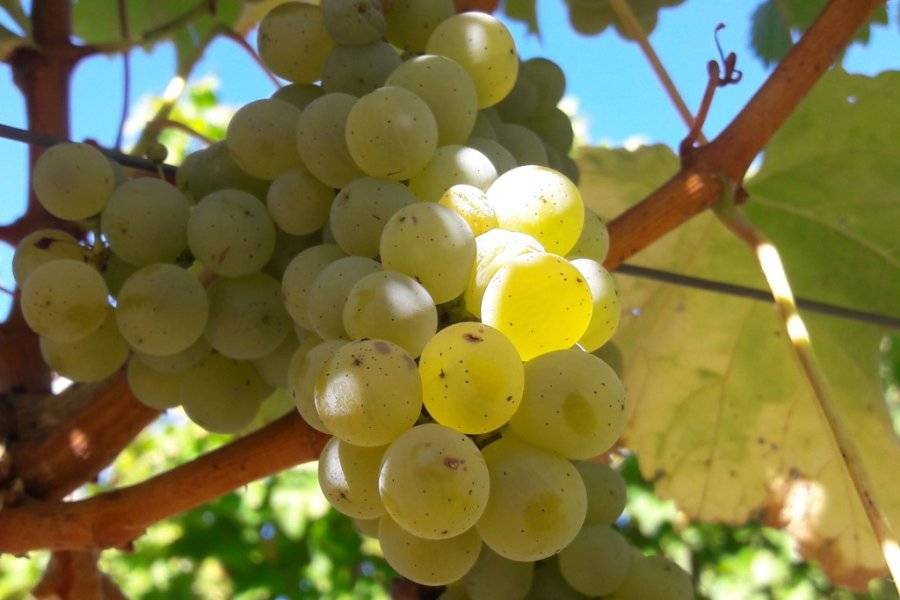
(722, 418)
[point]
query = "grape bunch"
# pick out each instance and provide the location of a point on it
(394, 244)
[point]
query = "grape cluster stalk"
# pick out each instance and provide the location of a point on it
(394, 245)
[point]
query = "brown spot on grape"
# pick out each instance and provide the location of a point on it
(382, 347)
(453, 463)
(471, 337)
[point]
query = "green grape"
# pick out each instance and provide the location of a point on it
(247, 318)
(42, 246)
(273, 367)
(483, 128)
(369, 392)
(537, 502)
(594, 240)
(570, 169)
(151, 387)
(596, 561)
(605, 316)
(293, 42)
(367, 527)
(524, 144)
(391, 306)
(549, 80)
(427, 562)
(654, 577)
(180, 361)
(431, 244)
(447, 90)
(549, 584)
(494, 249)
(497, 578)
(611, 355)
(555, 128)
(360, 211)
(455, 591)
(391, 133)
(287, 247)
(298, 202)
(471, 204)
(472, 378)
(574, 404)
(64, 300)
(261, 138)
(540, 202)
(162, 309)
(119, 175)
(214, 169)
(115, 272)
(299, 276)
(221, 394)
(483, 46)
(410, 22)
(521, 102)
(540, 302)
(329, 291)
(590, 19)
(353, 22)
(230, 232)
(434, 482)
(606, 492)
(348, 476)
(145, 221)
(273, 407)
(358, 70)
(90, 358)
(73, 181)
(321, 139)
(303, 373)
(298, 94)
(452, 165)
(500, 157)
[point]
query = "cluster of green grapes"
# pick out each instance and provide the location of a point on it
(592, 17)
(392, 241)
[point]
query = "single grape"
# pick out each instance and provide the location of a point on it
(261, 138)
(213, 169)
(162, 309)
(358, 70)
(391, 306)
(471, 204)
(180, 361)
(606, 492)
(537, 502)
(298, 202)
(299, 94)
(153, 388)
(64, 300)
(483, 46)
(472, 378)
(521, 102)
(654, 577)
(540, 202)
(500, 157)
(348, 476)
(360, 211)
(597, 560)
(293, 42)
(369, 392)
(73, 181)
(90, 358)
(321, 139)
(391, 133)
(549, 80)
(299, 276)
(452, 165)
(483, 128)
(410, 22)
(42, 246)
(273, 367)
(540, 302)
(447, 90)
(431, 244)
(594, 240)
(434, 482)
(221, 394)
(367, 527)
(303, 373)
(605, 316)
(524, 144)
(555, 128)
(428, 562)
(231, 233)
(495, 577)
(494, 249)
(329, 291)
(145, 221)
(353, 22)
(549, 584)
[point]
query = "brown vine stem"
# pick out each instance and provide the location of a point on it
(113, 517)
(773, 270)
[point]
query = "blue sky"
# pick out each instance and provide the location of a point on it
(615, 88)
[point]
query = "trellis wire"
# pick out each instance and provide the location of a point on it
(721, 287)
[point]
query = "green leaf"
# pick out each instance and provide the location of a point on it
(770, 35)
(523, 10)
(722, 418)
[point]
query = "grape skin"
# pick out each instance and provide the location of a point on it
(221, 394)
(299, 94)
(64, 300)
(303, 373)
(180, 361)
(261, 139)
(593, 243)
(597, 560)
(428, 562)
(549, 80)
(524, 144)
(353, 22)
(500, 157)
(411, 22)
(73, 181)
(605, 316)
(358, 70)
(360, 211)
(273, 367)
(494, 250)
(471, 204)
(452, 165)
(42, 246)
(91, 358)
(654, 577)
(497, 578)
(298, 202)
(348, 476)
(299, 276)
(329, 292)
(151, 387)
(293, 42)
(606, 492)
(321, 140)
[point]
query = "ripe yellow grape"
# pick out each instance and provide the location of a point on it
(42, 246)
(213, 169)
(293, 42)
(494, 249)
(540, 302)
(606, 492)
(472, 378)
(151, 387)
(329, 291)
(299, 276)
(654, 577)
(261, 138)
(90, 358)
(428, 562)
(180, 361)
(348, 476)
(221, 394)
(303, 373)
(483, 46)
(322, 142)
(298, 202)
(353, 22)
(410, 22)
(273, 367)
(594, 240)
(494, 577)
(360, 211)
(449, 166)
(299, 94)
(471, 204)
(64, 300)
(73, 181)
(605, 317)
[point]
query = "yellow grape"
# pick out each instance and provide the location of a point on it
(428, 562)
(303, 373)
(90, 358)
(293, 42)
(64, 300)
(494, 249)
(471, 204)
(348, 476)
(605, 317)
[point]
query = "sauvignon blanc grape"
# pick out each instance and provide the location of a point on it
(449, 166)
(348, 476)
(494, 249)
(151, 387)
(654, 577)
(521, 101)
(555, 128)
(597, 560)
(606, 492)
(91, 358)
(273, 367)
(321, 139)
(329, 291)
(353, 22)
(299, 94)
(180, 361)
(42, 246)
(358, 70)
(303, 373)
(472, 205)
(524, 144)
(298, 202)
(549, 80)
(593, 243)
(410, 22)
(605, 316)
(495, 577)
(428, 562)
(73, 181)
(64, 300)
(221, 394)
(213, 169)
(360, 211)
(549, 584)
(293, 42)
(261, 138)
(500, 157)
(299, 276)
